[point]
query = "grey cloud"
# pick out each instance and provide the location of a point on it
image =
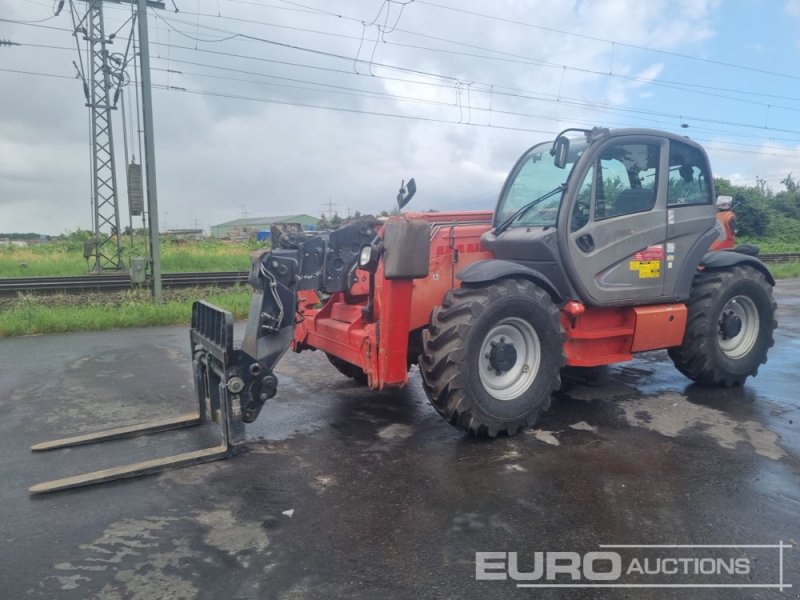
(216, 154)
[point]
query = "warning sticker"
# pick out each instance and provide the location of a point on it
(655, 252)
(648, 269)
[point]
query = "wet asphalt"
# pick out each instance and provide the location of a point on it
(346, 493)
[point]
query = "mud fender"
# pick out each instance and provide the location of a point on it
(722, 259)
(485, 271)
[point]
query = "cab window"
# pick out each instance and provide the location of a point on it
(627, 175)
(688, 176)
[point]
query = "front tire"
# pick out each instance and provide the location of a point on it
(729, 328)
(492, 356)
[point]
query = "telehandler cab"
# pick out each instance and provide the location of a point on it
(598, 249)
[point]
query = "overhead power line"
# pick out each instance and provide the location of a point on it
(445, 81)
(360, 92)
(713, 91)
(614, 42)
(345, 109)
(496, 89)
(227, 95)
(490, 89)
(507, 57)
(737, 148)
(37, 73)
(681, 86)
(562, 100)
(20, 22)
(36, 24)
(541, 28)
(525, 60)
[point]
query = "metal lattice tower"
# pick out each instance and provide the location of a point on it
(107, 242)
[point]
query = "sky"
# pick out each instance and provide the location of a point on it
(278, 107)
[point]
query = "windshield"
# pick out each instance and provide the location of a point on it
(534, 176)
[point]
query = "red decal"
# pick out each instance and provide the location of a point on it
(650, 253)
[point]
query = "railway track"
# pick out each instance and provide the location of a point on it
(113, 283)
(782, 257)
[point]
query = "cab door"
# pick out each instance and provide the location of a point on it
(691, 215)
(618, 224)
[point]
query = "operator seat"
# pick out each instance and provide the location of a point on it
(632, 201)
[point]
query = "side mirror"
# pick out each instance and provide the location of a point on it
(724, 202)
(560, 151)
(406, 192)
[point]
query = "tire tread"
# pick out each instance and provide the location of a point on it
(696, 357)
(444, 343)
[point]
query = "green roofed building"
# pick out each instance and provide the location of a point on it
(243, 228)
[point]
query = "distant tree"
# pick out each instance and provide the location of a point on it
(75, 239)
(336, 221)
(751, 217)
(21, 236)
(790, 183)
(763, 187)
(788, 202)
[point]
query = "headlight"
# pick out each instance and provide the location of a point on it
(369, 256)
(365, 257)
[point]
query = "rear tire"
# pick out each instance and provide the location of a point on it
(492, 356)
(729, 327)
(347, 369)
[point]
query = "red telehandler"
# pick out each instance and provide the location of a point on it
(599, 248)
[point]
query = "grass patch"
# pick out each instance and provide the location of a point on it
(787, 270)
(768, 246)
(64, 258)
(178, 259)
(24, 262)
(60, 313)
(28, 315)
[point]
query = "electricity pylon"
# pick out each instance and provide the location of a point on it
(105, 205)
(102, 80)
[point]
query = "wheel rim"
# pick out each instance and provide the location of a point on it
(509, 358)
(737, 327)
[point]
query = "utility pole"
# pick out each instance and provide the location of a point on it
(330, 205)
(149, 148)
